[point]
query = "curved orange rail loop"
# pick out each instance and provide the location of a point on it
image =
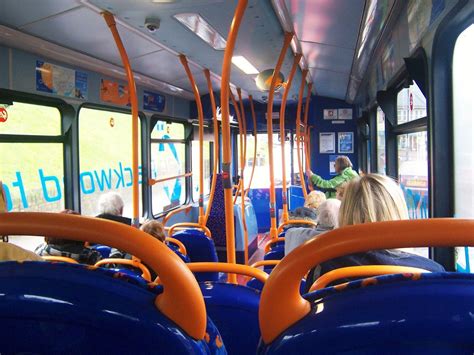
(186, 210)
(197, 97)
(306, 128)
(281, 291)
(181, 287)
(296, 221)
(63, 259)
(298, 132)
(268, 246)
(207, 74)
(265, 263)
(296, 60)
(362, 271)
(174, 227)
(145, 272)
(271, 93)
(110, 20)
(226, 142)
(254, 122)
(181, 246)
(229, 268)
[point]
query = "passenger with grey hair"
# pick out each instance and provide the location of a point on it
(328, 213)
(111, 207)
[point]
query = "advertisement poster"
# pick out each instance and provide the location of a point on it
(346, 142)
(153, 101)
(344, 114)
(114, 93)
(61, 81)
(330, 114)
(327, 142)
(332, 164)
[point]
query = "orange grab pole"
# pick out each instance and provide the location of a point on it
(268, 246)
(189, 224)
(254, 122)
(152, 182)
(197, 97)
(63, 259)
(244, 163)
(145, 272)
(186, 210)
(273, 223)
(308, 153)
(181, 246)
(281, 290)
(306, 114)
(362, 271)
(207, 74)
(110, 20)
(244, 122)
(180, 286)
(296, 221)
(298, 124)
(241, 141)
(296, 60)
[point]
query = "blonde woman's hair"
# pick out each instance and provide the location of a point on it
(372, 198)
(155, 229)
(314, 199)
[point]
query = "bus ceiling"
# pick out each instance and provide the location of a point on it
(336, 39)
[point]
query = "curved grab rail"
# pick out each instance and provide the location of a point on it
(296, 221)
(180, 288)
(228, 268)
(135, 263)
(268, 246)
(265, 263)
(189, 224)
(282, 288)
(298, 132)
(63, 259)
(186, 209)
(179, 244)
(254, 123)
(362, 271)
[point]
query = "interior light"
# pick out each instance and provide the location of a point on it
(162, 1)
(202, 29)
(243, 64)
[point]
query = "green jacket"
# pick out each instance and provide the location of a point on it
(331, 185)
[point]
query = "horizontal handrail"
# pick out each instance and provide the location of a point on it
(296, 221)
(152, 182)
(190, 225)
(145, 272)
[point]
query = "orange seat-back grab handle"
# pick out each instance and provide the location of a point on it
(281, 291)
(63, 259)
(181, 300)
(296, 221)
(135, 263)
(191, 225)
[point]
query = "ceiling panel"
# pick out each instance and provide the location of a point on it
(328, 57)
(329, 83)
(96, 41)
(161, 64)
(32, 10)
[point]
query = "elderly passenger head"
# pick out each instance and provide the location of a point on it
(111, 203)
(372, 198)
(314, 199)
(328, 213)
(155, 229)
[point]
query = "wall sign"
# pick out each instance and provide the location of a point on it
(344, 114)
(115, 93)
(55, 79)
(330, 114)
(3, 114)
(332, 164)
(327, 142)
(153, 101)
(346, 142)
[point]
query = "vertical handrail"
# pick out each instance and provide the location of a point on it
(271, 93)
(306, 128)
(254, 122)
(243, 163)
(207, 74)
(110, 20)
(296, 60)
(197, 97)
(241, 141)
(226, 143)
(308, 154)
(298, 123)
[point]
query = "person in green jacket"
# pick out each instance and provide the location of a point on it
(343, 167)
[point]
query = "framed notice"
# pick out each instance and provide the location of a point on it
(346, 142)
(58, 80)
(327, 142)
(332, 164)
(330, 114)
(344, 114)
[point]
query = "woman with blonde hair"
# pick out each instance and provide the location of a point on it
(373, 198)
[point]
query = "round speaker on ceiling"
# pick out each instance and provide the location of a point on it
(264, 80)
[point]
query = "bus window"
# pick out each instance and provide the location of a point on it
(463, 127)
(411, 104)
(380, 141)
(168, 159)
(32, 173)
(105, 158)
(195, 169)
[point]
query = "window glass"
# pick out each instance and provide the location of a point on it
(380, 141)
(296, 169)
(463, 126)
(29, 119)
(411, 104)
(195, 169)
(167, 161)
(105, 157)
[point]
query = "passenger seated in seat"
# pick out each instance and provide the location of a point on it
(69, 248)
(328, 213)
(373, 198)
(310, 209)
(111, 208)
(155, 229)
